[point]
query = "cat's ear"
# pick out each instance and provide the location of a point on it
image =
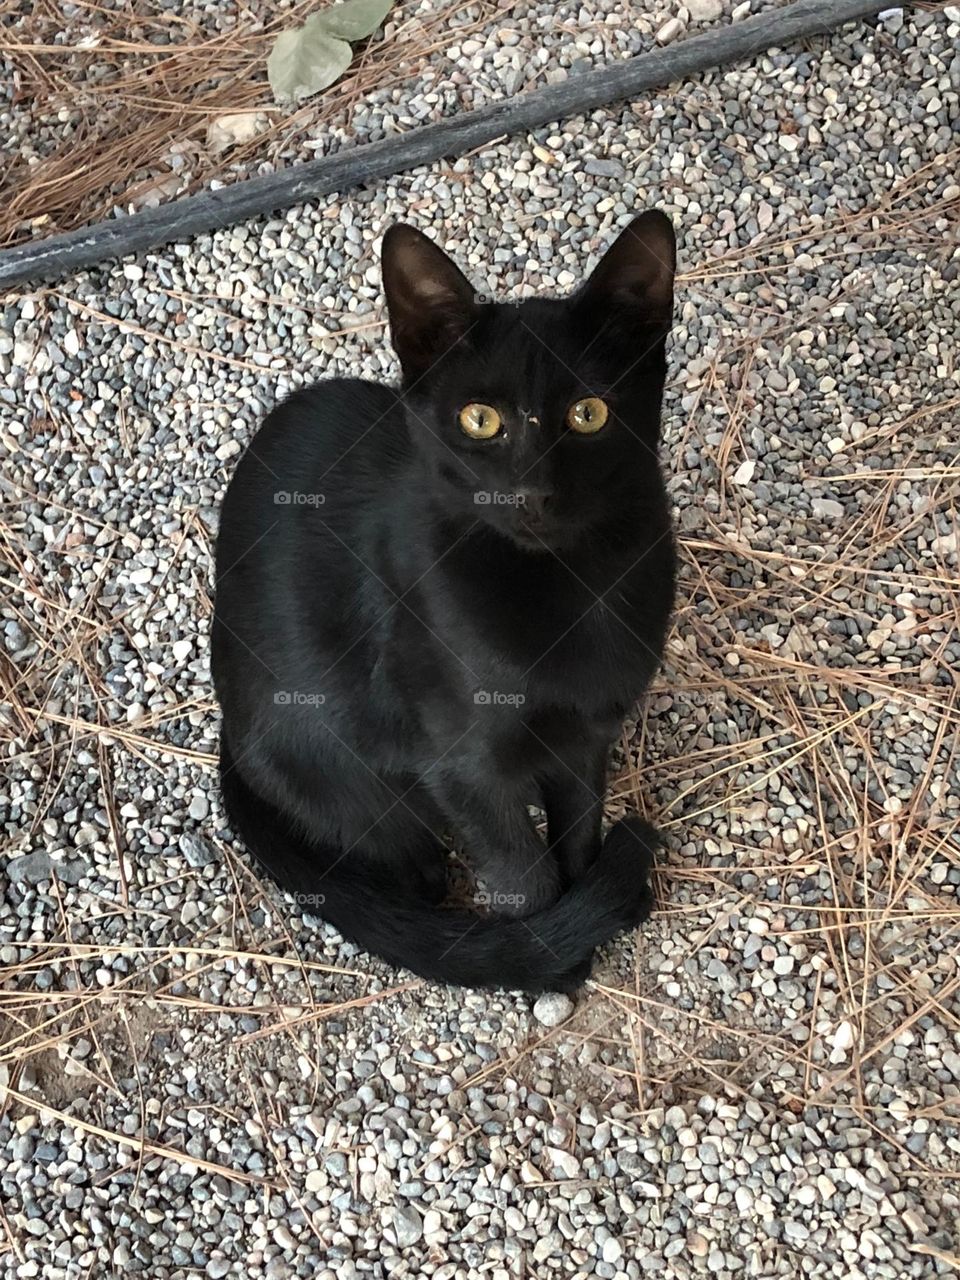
(430, 301)
(634, 278)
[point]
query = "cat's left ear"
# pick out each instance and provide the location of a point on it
(634, 278)
(430, 301)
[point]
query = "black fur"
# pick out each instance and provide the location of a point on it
(398, 658)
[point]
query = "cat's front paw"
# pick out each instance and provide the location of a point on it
(524, 894)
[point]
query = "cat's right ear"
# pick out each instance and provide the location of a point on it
(430, 301)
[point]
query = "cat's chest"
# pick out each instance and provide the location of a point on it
(508, 658)
(506, 638)
(575, 639)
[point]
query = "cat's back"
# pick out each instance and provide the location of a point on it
(324, 424)
(326, 444)
(296, 525)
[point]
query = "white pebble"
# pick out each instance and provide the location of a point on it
(553, 1008)
(669, 31)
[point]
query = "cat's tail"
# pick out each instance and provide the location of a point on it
(549, 951)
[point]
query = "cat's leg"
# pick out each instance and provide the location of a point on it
(573, 799)
(417, 858)
(362, 820)
(501, 842)
(406, 838)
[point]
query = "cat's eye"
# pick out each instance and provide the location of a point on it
(480, 421)
(587, 416)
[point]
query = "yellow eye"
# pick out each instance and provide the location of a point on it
(480, 421)
(587, 416)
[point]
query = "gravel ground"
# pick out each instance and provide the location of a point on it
(765, 1081)
(126, 109)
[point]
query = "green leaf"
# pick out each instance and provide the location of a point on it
(354, 19)
(304, 61)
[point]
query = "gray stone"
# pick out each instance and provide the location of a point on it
(197, 851)
(407, 1225)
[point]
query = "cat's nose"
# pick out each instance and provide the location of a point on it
(533, 503)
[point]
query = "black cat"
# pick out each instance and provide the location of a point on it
(436, 605)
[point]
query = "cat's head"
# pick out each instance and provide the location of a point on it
(536, 417)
